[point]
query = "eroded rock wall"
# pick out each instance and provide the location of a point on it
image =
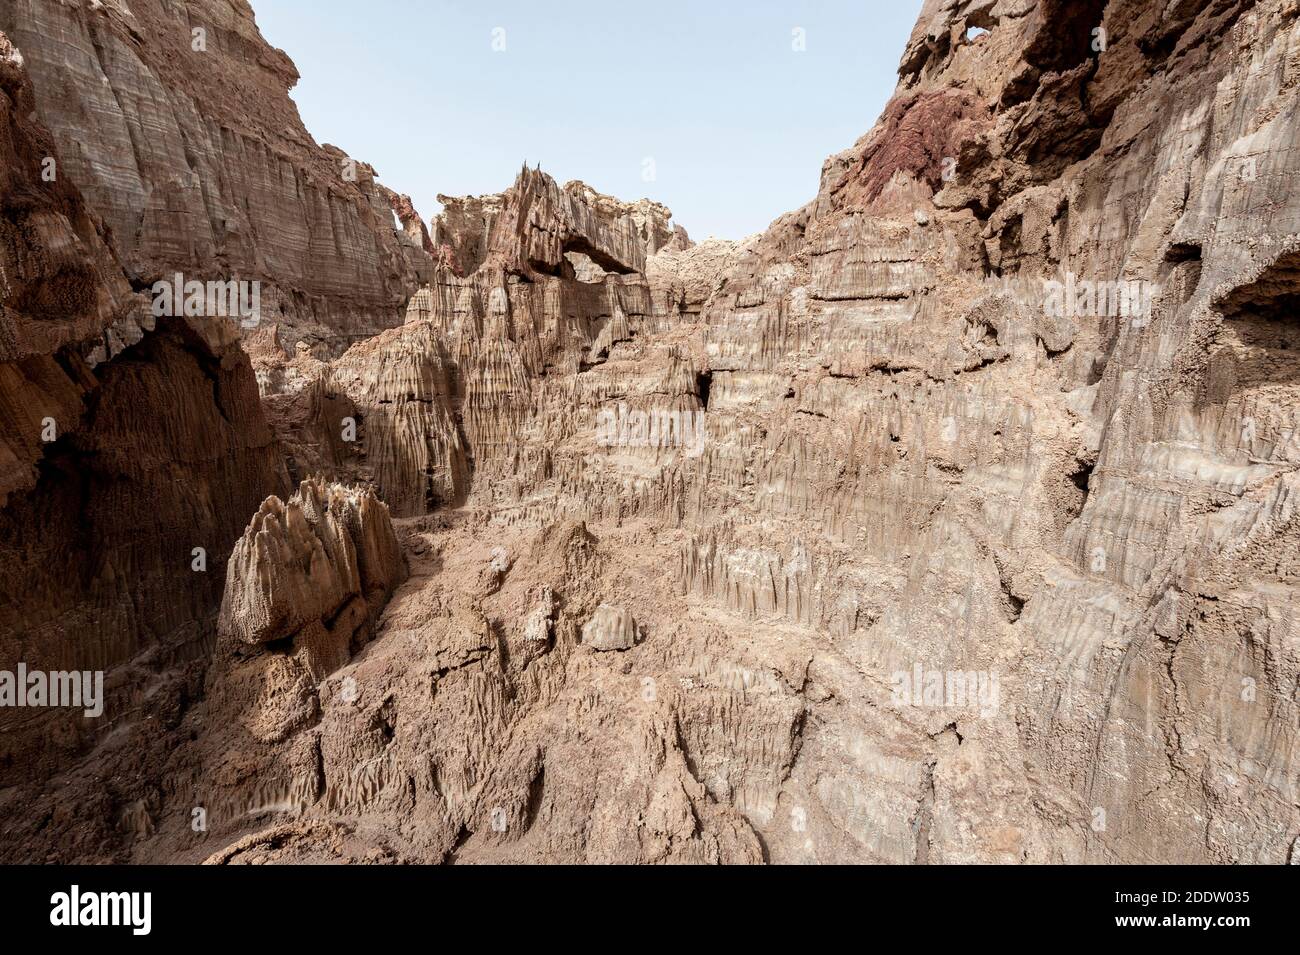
(898, 533)
(174, 120)
(916, 468)
(132, 453)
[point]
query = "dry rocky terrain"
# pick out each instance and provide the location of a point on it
(543, 533)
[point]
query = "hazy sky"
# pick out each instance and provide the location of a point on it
(709, 97)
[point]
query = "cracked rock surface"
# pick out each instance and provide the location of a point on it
(836, 544)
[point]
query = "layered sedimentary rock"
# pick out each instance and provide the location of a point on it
(531, 227)
(61, 283)
(305, 586)
(175, 122)
(917, 473)
(950, 519)
(132, 452)
(441, 398)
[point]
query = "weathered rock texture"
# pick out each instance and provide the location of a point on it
(838, 544)
(304, 588)
(174, 120)
(315, 571)
(131, 452)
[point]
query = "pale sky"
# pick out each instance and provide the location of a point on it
(709, 97)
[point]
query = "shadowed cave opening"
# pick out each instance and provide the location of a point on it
(1273, 297)
(582, 247)
(703, 385)
(1260, 333)
(1183, 252)
(1081, 478)
(1067, 37)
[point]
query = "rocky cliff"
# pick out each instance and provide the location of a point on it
(949, 520)
(133, 450)
(174, 120)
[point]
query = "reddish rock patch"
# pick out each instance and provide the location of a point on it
(915, 134)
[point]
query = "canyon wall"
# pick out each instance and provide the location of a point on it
(134, 447)
(174, 120)
(125, 480)
(905, 560)
(948, 520)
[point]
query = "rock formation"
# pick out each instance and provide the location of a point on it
(610, 628)
(951, 519)
(132, 451)
(304, 588)
(315, 571)
(174, 121)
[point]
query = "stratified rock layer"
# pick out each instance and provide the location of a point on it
(131, 453)
(174, 120)
(944, 573)
(884, 551)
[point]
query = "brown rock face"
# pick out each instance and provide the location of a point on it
(132, 452)
(952, 519)
(919, 485)
(912, 139)
(57, 284)
(315, 571)
(463, 371)
(198, 163)
(61, 282)
(304, 588)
